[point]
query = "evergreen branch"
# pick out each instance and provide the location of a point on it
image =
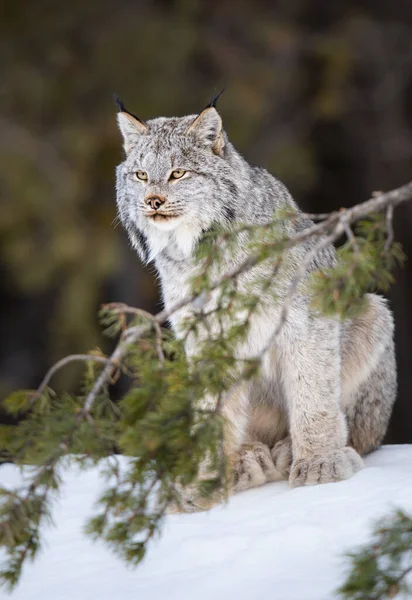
(161, 422)
(334, 224)
(379, 201)
(31, 509)
(380, 569)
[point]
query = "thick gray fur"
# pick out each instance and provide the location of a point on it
(327, 387)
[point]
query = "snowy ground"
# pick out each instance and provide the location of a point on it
(271, 543)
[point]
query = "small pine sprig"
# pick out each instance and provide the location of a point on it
(382, 569)
(364, 264)
(20, 522)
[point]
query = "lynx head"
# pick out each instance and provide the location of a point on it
(176, 181)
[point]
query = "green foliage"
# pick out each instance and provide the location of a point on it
(18, 402)
(167, 420)
(381, 569)
(22, 514)
(157, 421)
(363, 265)
(57, 170)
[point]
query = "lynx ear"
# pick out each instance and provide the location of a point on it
(131, 127)
(207, 127)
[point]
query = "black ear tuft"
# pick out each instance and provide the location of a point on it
(119, 103)
(121, 108)
(212, 103)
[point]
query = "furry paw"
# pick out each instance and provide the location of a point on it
(253, 467)
(332, 466)
(190, 500)
(282, 456)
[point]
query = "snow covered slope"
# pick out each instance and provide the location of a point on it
(272, 543)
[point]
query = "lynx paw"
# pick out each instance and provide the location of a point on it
(282, 456)
(332, 466)
(190, 500)
(254, 467)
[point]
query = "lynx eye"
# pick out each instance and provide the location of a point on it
(177, 174)
(142, 175)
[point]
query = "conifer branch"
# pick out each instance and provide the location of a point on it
(333, 224)
(380, 568)
(161, 422)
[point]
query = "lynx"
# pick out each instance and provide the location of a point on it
(325, 392)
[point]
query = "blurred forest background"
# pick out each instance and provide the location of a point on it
(318, 92)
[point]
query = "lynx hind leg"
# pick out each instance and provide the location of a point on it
(254, 467)
(369, 413)
(369, 376)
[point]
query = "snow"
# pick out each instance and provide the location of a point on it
(272, 542)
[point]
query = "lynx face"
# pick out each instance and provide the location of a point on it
(175, 178)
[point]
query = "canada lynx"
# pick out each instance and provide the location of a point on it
(326, 389)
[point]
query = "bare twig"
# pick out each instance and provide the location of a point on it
(389, 227)
(130, 337)
(62, 363)
(351, 238)
(124, 309)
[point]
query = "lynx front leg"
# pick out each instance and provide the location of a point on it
(234, 411)
(253, 467)
(317, 424)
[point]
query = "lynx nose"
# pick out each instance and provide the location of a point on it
(155, 202)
